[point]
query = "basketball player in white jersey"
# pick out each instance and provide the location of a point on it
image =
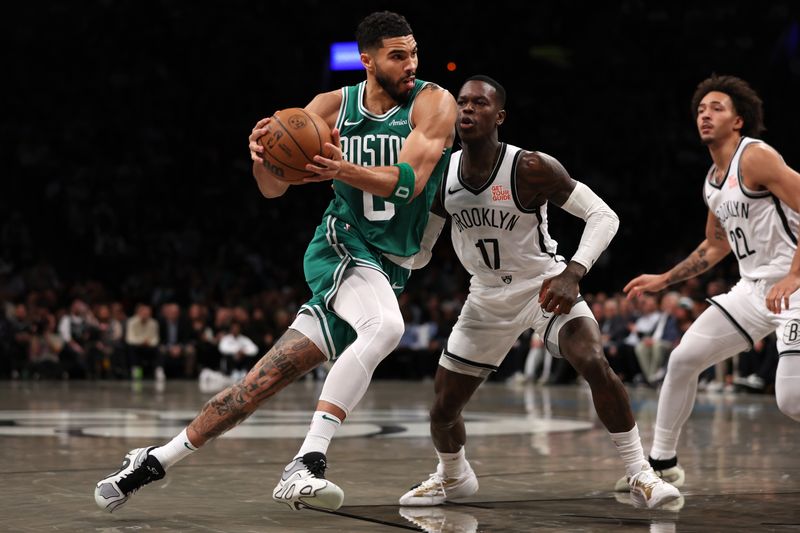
(496, 197)
(753, 199)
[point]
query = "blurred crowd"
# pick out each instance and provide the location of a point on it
(134, 242)
(49, 331)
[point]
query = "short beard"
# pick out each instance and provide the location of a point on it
(391, 89)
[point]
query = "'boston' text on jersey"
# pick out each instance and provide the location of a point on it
(370, 150)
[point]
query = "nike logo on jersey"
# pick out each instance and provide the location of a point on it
(348, 123)
(397, 287)
(452, 191)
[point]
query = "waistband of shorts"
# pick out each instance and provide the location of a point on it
(510, 278)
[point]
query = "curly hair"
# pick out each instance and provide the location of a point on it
(379, 25)
(746, 101)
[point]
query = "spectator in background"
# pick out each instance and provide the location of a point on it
(260, 330)
(45, 348)
(644, 325)
(141, 335)
(202, 338)
(684, 314)
(613, 331)
(105, 343)
(177, 354)
(21, 330)
(238, 352)
(653, 349)
(75, 328)
(222, 323)
(6, 342)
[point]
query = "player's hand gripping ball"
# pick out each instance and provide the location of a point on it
(294, 136)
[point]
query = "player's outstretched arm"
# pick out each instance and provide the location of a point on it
(434, 117)
(762, 166)
(326, 105)
(710, 252)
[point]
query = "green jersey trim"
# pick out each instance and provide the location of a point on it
(316, 312)
(342, 109)
(364, 111)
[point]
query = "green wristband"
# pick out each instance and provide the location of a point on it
(404, 189)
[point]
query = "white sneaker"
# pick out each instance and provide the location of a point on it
(440, 520)
(303, 484)
(674, 505)
(650, 491)
(674, 475)
(437, 489)
(159, 374)
(138, 469)
(753, 381)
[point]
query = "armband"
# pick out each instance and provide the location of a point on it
(404, 190)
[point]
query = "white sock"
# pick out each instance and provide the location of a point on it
(665, 443)
(454, 464)
(629, 446)
(323, 428)
(174, 450)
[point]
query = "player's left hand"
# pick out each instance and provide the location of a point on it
(558, 294)
(327, 168)
(781, 292)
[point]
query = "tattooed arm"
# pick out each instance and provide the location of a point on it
(710, 252)
(292, 356)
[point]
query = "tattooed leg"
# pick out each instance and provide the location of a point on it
(292, 356)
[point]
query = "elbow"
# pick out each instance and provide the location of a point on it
(613, 221)
(605, 218)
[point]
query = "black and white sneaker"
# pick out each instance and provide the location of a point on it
(138, 469)
(303, 484)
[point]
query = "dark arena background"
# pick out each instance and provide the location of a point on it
(127, 191)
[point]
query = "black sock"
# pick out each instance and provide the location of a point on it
(663, 464)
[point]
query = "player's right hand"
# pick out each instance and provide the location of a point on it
(645, 283)
(259, 131)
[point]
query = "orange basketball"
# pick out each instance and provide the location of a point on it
(294, 136)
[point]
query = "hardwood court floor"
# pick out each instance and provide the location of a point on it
(543, 461)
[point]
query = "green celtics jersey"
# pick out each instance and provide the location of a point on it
(375, 140)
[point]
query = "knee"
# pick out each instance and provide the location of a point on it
(444, 414)
(591, 362)
(386, 330)
(393, 329)
(682, 362)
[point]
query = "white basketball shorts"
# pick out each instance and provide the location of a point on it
(745, 308)
(494, 316)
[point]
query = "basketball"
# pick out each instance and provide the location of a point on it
(294, 136)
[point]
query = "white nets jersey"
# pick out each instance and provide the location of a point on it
(496, 238)
(761, 230)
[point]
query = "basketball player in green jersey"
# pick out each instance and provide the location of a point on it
(391, 143)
